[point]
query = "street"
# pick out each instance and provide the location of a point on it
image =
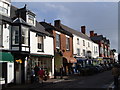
(97, 81)
(101, 80)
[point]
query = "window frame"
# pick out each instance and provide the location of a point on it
(78, 41)
(83, 42)
(40, 44)
(78, 51)
(67, 44)
(57, 41)
(1, 36)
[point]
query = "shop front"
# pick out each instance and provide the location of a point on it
(43, 61)
(6, 68)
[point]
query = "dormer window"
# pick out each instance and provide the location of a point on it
(4, 8)
(31, 19)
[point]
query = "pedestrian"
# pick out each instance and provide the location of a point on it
(32, 75)
(41, 74)
(116, 73)
(61, 71)
(36, 69)
(55, 72)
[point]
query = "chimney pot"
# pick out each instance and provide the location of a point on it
(83, 29)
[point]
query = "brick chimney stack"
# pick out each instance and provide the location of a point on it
(91, 33)
(95, 34)
(57, 23)
(83, 30)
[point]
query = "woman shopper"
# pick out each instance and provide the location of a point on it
(41, 74)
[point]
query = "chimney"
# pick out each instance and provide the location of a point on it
(83, 29)
(57, 23)
(91, 33)
(95, 34)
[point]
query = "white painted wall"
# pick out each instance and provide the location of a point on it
(1, 4)
(95, 55)
(10, 72)
(48, 44)
(6, 37)
(81, 47)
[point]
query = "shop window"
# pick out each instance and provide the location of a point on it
(40, 43)
(67, 43)
(58, 41)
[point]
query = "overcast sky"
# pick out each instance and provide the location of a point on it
(102, 17)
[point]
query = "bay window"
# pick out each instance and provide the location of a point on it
(24, 35)
(15, 35)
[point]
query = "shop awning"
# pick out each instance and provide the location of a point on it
(6, 56)
(70, 59)
(73, 60)
(42, 55)
(81, 59)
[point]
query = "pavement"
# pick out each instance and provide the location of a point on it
(35, 85)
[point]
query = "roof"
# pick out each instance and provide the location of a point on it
(75, 32)
(12, 11)
(5, 18)
(20, 21)
(40, 29)
(51, 27)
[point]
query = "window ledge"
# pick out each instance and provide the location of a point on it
(40, 51)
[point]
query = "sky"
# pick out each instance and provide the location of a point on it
(102, 17)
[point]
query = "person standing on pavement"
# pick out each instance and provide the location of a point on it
(41, 74)
(116, 73)
(36, 69)
(61, 71)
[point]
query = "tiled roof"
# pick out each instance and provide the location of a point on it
(49, 26)
(40, 29)
(75, 32)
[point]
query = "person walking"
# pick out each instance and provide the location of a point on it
(41, 74)
(116, 73)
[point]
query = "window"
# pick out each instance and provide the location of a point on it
(67, 43)
(83, 52)
(24, 35)
(96, 50)
(83, 42)
(88, 44)
(78, 41)
(78, 51)
(101, 50)
(31, 19)
(1, 34)
(58, 41)
(4, 7)
(15, 35)
(40, 43)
